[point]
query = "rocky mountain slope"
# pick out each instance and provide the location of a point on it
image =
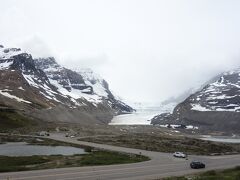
(216, 107)
(42, 89)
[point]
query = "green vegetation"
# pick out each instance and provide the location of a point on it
(229, 174)
(166, 143)
(8, 164)
(108, 157)
(15, 121)
(12, 120)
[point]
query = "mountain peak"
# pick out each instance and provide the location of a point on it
(15, 58)
(40, 85)
(216, 106)
(8, 53)
(47, 63)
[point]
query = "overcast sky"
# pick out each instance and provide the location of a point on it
(148, 50)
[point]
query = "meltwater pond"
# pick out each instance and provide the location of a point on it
(24, 149)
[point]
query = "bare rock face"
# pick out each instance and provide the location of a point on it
(216, 107)
(43, 89)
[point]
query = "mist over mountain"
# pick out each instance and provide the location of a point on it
(158, 49)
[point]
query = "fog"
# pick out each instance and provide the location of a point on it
(147, 50)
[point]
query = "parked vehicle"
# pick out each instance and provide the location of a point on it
(43, 133)
(197, 165)
(179, 155)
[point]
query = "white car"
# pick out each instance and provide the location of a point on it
(179, 155)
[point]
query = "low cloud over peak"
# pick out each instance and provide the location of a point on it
(146, 50)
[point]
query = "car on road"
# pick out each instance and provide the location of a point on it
(197, 165)
(179, 155)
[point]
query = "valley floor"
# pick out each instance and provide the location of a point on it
(166, 143)
(149, 141)
(161, 165)
(92, 157)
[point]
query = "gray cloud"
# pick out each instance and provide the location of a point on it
(148, 50)
(36, 46)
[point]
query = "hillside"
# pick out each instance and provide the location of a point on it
(216, 107)
(44, 90)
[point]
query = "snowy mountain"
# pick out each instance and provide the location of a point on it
(84, 84)
(215, 107)
(221, 95)
(45, 90)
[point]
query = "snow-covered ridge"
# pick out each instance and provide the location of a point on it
(52, 84)
(213, 108)
(94, 80)
(8, 53)
(77, 85)
(221, 95)
(7, 56)
(84, 84)
(81, 84)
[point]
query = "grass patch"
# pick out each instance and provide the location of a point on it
(164, 143)
(229, 174)
(108, 158)
(10, 164)
(13, 120)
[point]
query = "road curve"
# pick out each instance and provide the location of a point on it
(160, 165)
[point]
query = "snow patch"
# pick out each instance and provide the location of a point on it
(5, 65)
(175, 126)
(94, 80)
(8, 53)
(2, 92)
(75, 93)
(198, 107)
(21, 88)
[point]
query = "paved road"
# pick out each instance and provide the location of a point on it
(160, 165)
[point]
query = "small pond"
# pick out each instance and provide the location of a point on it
(24, 149)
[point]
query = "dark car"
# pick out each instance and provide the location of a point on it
(197, 165)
